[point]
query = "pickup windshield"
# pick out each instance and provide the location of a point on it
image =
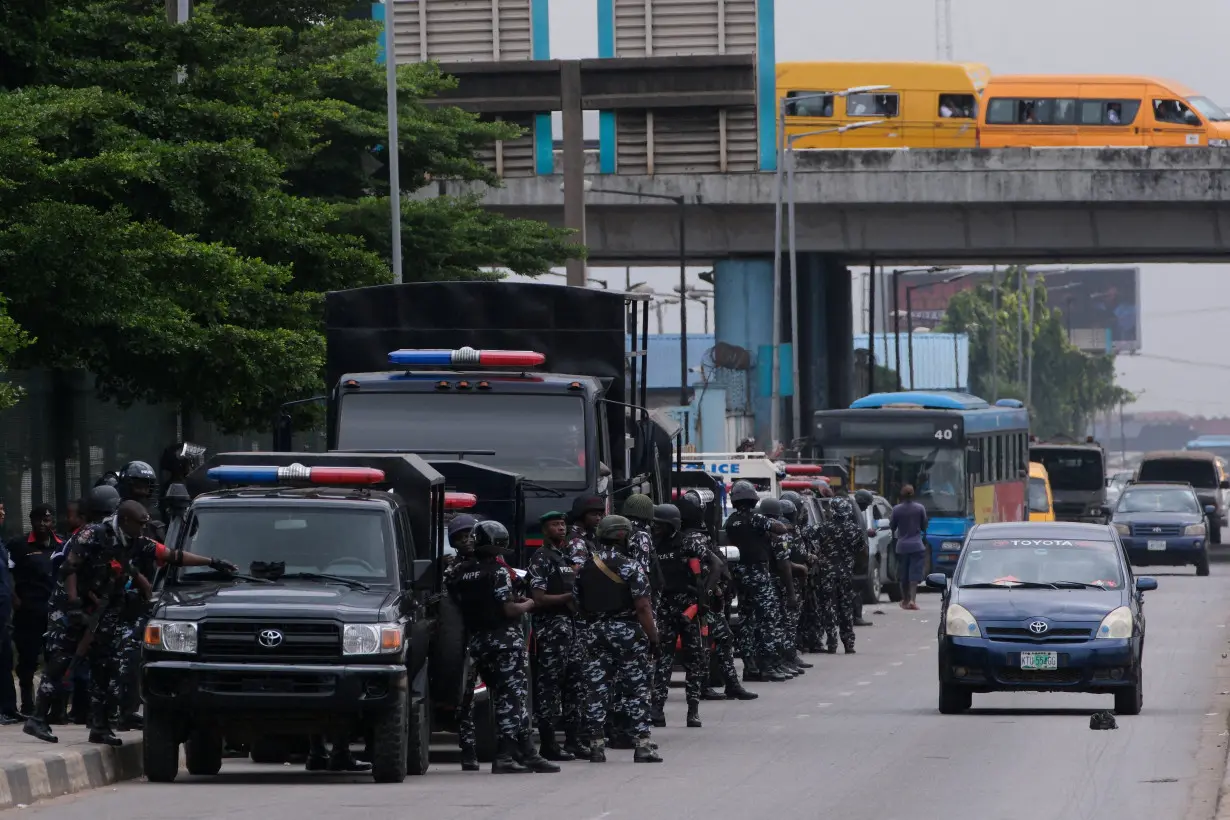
(541, 437)
(286, 539)
(1070, 468)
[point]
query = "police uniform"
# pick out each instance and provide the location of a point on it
(680, 557)
(842, 539)
(559, 668)
(638, 508)
(759, 603)
(459, 528)
(481, 587)
(34, 583)
(811, 616)
(617, 658)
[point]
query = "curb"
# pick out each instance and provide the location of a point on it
(26, 781)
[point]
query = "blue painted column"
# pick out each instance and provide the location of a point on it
(607, 134)
(743, 317)
(540, 49)
(826, 337)
(766, 84)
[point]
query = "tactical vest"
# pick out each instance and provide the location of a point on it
(561, 577)
(473, 588)
(601, 595)
(676, 574)
(754, 547)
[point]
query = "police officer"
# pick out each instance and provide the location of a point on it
(682, 556)
(460, 538)
(559, 663)
(638, 509)
(795, 554)
(483, 589)
(136, 482)
(587, 511)
(779, 556)
(863, 499)
(89, 586)
(33, 583)
(749, 531)
(613, 595)
(843, 537)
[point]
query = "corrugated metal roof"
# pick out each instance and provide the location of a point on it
(664, 357)
(937, 365)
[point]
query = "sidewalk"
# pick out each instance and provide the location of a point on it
(31, 770)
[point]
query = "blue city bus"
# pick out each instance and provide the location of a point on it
(1217, 445)
(967, 459)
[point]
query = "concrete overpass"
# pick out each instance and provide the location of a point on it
(926, 206)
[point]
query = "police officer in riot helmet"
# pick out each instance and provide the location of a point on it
(750, 532)
(108, 479)
(483, 589)
(794, 552)
(461, 539)
(137, 481)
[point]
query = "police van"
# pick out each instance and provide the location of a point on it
(755, 468)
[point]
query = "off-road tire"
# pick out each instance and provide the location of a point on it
(389, 736)
(160, 747)
(203, 752)
(418, 734)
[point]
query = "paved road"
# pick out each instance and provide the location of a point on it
(858, 737)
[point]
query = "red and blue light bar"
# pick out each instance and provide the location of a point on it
(800, 484)
(466, 356)
(804, 469)
(460, 501)
(246, 474)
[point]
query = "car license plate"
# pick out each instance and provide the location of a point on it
(1040, 660)
(1157, 546)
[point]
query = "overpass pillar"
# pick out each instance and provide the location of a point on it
(826, 335)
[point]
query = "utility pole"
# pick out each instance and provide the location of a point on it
(994, 333)
(943, 31)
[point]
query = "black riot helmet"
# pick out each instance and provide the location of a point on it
(490, 538)
(791, 496)
(102, 501)
(770, 507)
(864, 499)
(691, 513)
(175, 501)
(137, 481)
(743, 494)
(788, 509)
(669, 516)
(107, 479)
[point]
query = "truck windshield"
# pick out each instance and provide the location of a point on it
(541, 437)
(311, 537)
(1071, 469)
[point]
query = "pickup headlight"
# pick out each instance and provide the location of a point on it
(1216, 143)
(371, 639)
(171, 636)
(1194, 529)
(950, 546)
(960, 623)
(1123, 529)
(1118, 624)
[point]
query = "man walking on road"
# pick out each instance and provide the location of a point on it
(909, 525)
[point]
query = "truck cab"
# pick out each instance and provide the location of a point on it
(1077, 474)
(328, 626)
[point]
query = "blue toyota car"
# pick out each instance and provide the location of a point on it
(1042, 607)
(1163, 523)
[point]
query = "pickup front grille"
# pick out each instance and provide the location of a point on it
(258, 684)
(240, 641)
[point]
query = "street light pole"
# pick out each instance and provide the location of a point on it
(1029, 368)
(909, 334)
(394, 146)
(897, 330)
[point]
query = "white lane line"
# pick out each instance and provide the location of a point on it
(845, 694)
(880, 674)
(910, 654)
(897, 663)
(864, 683)
(822, 705)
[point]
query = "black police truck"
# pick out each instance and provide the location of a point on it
(330, 625)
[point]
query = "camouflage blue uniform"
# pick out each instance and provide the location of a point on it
(617, 659)
(673, 621)
(496, 643)
(810, 637)
(784, 549)
(640, 547)
(579, 547)
(467, 737)
(843, 538)
(559, 671)
(760, 605)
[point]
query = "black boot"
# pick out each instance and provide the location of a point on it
(102, 733)
(575, 745)
(549, 746)
(505, 762)
(36, 725)
(771, 676)
(798, 661)
(343, 761)
(27, 699)
(597, 752)
(532, 760)
(658, 717)
(58, 716)
(693, 714)
(646, 752)
(469, 759)
(130, 723)
(709, 693)
(735, 691)
(318, 754)
(850, 649)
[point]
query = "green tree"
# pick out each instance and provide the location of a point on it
(12, 339)
(1069, 387)
(173, 231)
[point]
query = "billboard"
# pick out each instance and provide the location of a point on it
(1100, 307)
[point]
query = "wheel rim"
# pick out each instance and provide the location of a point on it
(877, 586)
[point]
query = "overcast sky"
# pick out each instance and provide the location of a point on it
(1052, 36)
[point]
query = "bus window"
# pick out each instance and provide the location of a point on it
(872, 105)
(863, 464)
(1174, 112)
(810, 106)
(958, 106)
(937, 474)
(1108, 112)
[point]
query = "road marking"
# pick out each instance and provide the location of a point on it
(925, 647)
(845, 694)
(880, 673)
(864, 683)
(822, 705)
(897, 663)
(799, 717)
(910, 654)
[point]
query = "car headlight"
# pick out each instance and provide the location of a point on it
(371, 639)
(1194, 529)
(1123, 529)
(1118, 624)
(171, 636)
(960, 623)
(950, 546)
(1216, 143)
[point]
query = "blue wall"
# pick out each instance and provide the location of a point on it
(766, 83)
(540, 49)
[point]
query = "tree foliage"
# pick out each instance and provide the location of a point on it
(174, 199)
(12, 339)
(1069, 386)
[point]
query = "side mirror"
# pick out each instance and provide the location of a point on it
(1225, 485)
(937, 580)
(423, 574)
(1209, 509)
(731, 554)
(1146, 584)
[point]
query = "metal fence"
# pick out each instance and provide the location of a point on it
(62, 437)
